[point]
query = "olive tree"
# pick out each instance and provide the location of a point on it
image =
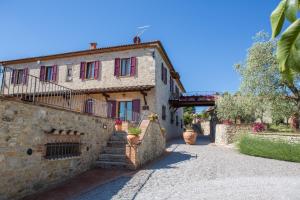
(235, 107)
(261, 78)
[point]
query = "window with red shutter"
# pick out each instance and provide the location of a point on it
(54, 73)
(133, 66)
(82, 70)
(117, 67)
(97, 70)
(42, 73)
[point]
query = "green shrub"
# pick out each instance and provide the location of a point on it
(280, 128)
(134, 131)
(261, 147)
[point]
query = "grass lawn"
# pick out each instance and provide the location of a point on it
(278, 150)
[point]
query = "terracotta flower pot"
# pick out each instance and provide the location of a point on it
(133, 139)
(190, 136)
(118, 127)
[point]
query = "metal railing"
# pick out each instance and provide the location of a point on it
(201, 95)
(23, 86)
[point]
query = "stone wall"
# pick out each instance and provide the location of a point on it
(227, 134)
(205, 125)
(162, 95)
(290, 138)
(24, 131)
(153, 144)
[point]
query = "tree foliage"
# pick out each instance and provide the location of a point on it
(235, 107)
(262, 90)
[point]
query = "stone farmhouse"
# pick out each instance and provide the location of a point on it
(115, 82)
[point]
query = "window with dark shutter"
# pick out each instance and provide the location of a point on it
(166, 76)
(171, 117)
(171, 85)
(162, 72)
(163, 112)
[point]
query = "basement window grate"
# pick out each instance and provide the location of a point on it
(62, 150)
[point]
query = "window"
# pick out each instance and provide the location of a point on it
(176, 91)
(89, 106)
(163, 113)
(62, 150)
(177, 121)
(19, 76)
(125, 67)
(125, 110)
(69, 73)
(171, 85)
(171, 117)
(90, 70)
(49, 73)
(164, 74)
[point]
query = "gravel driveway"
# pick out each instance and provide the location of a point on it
(205, 171)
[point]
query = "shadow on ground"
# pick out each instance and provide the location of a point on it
(168, 161)
(201, 140)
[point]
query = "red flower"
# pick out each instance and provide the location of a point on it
(118, 122)
(227, 122)
(258, 127)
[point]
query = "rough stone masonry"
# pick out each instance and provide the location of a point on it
(25, 129)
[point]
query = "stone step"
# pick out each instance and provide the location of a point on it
(111, 165)
(120, 132)
(114, 150)
(112, 157)
(116, 137)
(117, 144)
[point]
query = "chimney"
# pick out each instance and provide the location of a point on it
(93, 45)
(137, 40)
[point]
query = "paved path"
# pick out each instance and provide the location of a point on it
(206, 171)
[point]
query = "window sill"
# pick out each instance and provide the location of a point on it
(128, 76)
(90, 79)
(66, 158)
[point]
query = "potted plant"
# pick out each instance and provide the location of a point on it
(118, 125)
(189, 135)
(133, 135)
(153, 117)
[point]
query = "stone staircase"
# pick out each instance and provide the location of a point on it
(113, 155)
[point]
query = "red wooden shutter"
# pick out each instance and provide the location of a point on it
(82, 70)
(111, 109)
(14, 76)
(54, 73)
(117, 67)
(133, 66)
(25, 76)
(42, 73)
(136, 107)
(96, 70)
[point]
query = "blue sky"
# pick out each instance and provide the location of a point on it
(203, 38)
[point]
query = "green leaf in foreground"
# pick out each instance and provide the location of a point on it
(288, 52)
(277, 18)
(291, 10)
